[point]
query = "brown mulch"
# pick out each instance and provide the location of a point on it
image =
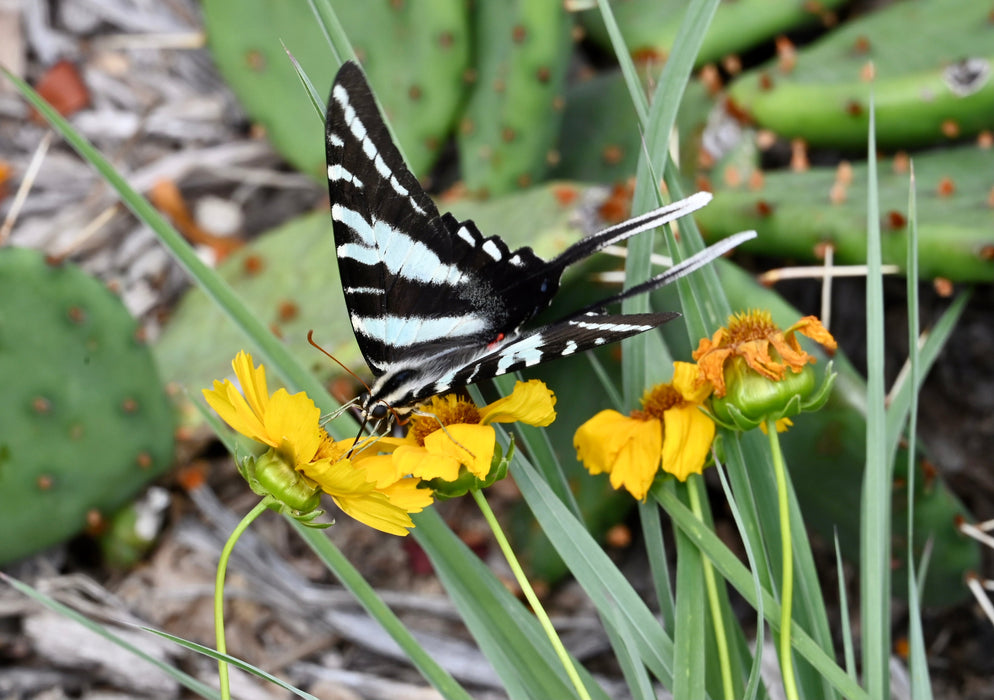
(139, 83)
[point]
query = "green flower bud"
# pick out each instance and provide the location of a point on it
(270, 475)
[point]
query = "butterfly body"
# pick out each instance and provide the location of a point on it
(435, 305)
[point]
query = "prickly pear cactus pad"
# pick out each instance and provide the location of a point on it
(86, 422)
(650, 27)
(796, 213)
(926, 91)
(414, 53)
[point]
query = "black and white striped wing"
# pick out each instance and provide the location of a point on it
(570, 336)
(415, 282)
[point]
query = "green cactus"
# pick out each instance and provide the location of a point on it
(414, 53)
(925, 92)
(794, 215)
(86, 422)
(650, 26)
(599, 140)
(508, 134)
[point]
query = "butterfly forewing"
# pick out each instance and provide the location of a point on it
(414, 281)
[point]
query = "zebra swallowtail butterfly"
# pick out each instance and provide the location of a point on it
(435, 305)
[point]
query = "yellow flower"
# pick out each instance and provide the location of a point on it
(303, 458)
(670, 432)
(451, 440)
(748, 364)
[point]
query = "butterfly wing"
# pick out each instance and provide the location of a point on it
(415, 282)
(575, 334)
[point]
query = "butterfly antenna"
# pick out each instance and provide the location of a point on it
(310, 339)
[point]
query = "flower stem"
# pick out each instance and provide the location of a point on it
(222, 566)
(721, 639)
(526, 588)
(787, 550)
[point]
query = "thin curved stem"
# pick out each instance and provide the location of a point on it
(530, 595)
(787, 549)
(222, 566)
(718, 620)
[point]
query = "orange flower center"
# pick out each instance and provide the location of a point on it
(750, 325)
(442, 411)
(657, 402)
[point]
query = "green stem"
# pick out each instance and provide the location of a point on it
(787, 548)
(526, 588)
(222, 566)
(721, 639)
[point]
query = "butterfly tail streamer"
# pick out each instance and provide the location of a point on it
(626, 229)
(681, 269)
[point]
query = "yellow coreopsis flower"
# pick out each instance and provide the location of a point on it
(450, 437)
(760, 372)
(303, 458)
(670, 432)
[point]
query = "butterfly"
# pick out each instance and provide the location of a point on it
(434, 304)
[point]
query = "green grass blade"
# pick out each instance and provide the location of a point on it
(742, 580)
(312, 94)
(626, 652)
(655, 547)
(507, 632)
(691, 620)
(600, 578)
(183, 679)
(247, 667)
(921, 686)
(847, 637)
(875, 515)
(374, 605)
(753, 685)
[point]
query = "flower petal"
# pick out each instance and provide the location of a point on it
(471, 445)
(252, 380)
(812, 327)
(626, 447)
(599, 440)
(637, 462)
(687, 440)
(531, 402)
(685, 376)
(418, 461)
(338, 479)
(375, 510)
(294, 421)
(231, 406)
(406, 494)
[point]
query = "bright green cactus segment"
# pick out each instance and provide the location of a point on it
(508, 134)
(86, 421)
(599, 140)
(794, 216)
(650, 27)
(925, 92)
(415, 54)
